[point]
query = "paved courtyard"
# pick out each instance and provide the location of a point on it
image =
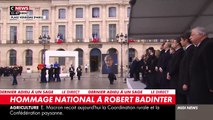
(88, 81)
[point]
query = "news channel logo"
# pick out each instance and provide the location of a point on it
(17, 10)
(22, 12)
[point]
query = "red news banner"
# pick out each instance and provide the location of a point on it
(87, 96)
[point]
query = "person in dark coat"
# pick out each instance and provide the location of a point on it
(72, 72)
(159, 63)
(184, 80)
(163, 66)
(174, 67)
(43, 75)
(142, 66)
(151, 73)
(79, 72)
(173, 71)
(112, 77)
(15, 72)
(135, 68)
(57, 73)
(50, 73)
(201, 68)
(20, 70)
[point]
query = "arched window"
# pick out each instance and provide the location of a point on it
(29, 57)
(95, 59)
(112, 51)
(80, 56)
(12, 57)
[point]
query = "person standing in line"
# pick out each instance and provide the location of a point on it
(184, 80)
(201, 68)
(174, 67)
(72, 72)
(79, 72)
(163, 66)
(151, 73)
(135, 68)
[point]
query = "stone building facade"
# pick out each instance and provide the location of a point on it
(87, 26)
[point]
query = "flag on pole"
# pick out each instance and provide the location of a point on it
(59, 38)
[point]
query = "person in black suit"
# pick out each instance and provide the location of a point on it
(135, 68)
(151, 73)
(162, 67)
(79, 72)
(201, 68)
(50, 73)
(72, 72)
(109, 65)
(57, 73)
(112, 77)
(184, 80)
(15, 72)
(173, 69)
(43, 74)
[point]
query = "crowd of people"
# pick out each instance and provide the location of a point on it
(13, 71)
(8, 70)
(55, 71)
(184, 64)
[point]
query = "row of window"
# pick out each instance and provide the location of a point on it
(96, 13)
(80, 12)
(79, 32)
(29, 57)
(61, 60)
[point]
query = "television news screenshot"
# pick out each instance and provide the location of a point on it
(104, 58)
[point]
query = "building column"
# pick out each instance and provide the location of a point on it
(104, 25)
(70, 25)
(87, 24)
(53, 23)
(5, 28)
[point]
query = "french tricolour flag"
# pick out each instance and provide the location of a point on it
(59, 38)
(95, 37)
